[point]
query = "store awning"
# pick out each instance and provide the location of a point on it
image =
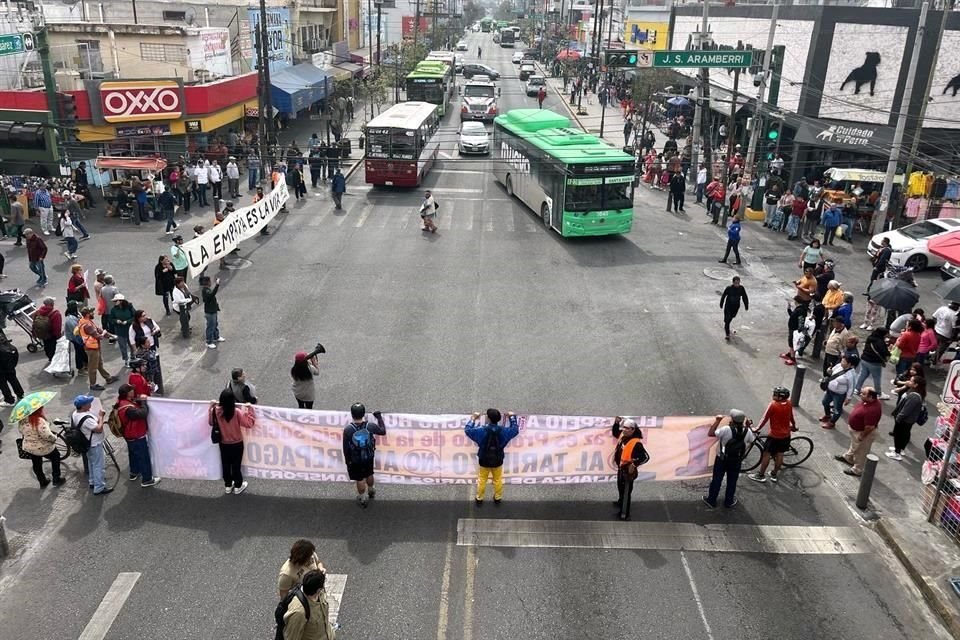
(356, 70)
(121, 162)
(340, 73)
(860, 175)
(296, 88)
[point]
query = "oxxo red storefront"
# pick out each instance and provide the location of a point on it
(154, 116)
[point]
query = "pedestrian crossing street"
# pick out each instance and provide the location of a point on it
(459, 212)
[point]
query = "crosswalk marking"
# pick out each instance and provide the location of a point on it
(661, 536)
(110, 607)
(364, 214)
(335, 585)
(489, 218)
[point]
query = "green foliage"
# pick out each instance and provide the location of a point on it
(472, 12)
(646, 82)
(376, 90)
(505, 11)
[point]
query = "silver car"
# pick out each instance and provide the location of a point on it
(473, 138)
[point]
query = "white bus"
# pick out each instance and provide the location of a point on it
(401, 144)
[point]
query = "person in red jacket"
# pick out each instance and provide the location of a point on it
(48, 326)
(132, 411)
(36, 253)
(141, 386)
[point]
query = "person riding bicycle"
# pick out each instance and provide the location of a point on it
(779, 414)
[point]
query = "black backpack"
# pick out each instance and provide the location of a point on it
(736, 448)
(281, 610)
(491, 453)
(73, 436)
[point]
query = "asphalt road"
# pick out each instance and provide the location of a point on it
(492, 310)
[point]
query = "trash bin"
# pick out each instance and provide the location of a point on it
(345, 147)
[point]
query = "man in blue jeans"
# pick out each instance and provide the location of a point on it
(210, 309)
(734, 441)
(132, 412)
(92, 428)
(841, 380)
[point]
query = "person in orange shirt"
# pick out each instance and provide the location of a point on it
(779, 414)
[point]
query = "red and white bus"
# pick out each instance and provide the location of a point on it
(402, 144)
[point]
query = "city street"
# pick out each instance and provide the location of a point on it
(492, 310)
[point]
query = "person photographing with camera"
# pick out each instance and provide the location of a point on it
(359, 449)
(734, 440)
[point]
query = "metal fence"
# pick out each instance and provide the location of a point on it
(941, 473)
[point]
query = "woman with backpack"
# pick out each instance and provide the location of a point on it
(230, 420)
(38, 443)
(302, 372)
(908, 412)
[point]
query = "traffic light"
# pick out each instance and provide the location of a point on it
(67, 106)
(619, 59)
(773, 140)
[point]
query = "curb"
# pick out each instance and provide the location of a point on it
(566, 105)
(944, 610)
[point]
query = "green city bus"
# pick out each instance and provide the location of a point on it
(431, 81)
(486, 24)
(580, 185)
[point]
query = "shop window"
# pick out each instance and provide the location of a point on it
(175, 16)
(88, 55)
(176, 53)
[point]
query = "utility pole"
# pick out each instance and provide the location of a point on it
(761, 94)
(704, 81)
(915, 144)
(416, 25)
(379, 4)
(731, 119)
(901, 120)
(266, 115)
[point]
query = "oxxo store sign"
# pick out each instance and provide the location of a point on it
(137, 100)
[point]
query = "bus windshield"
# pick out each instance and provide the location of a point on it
(598, 196)
(396, 145)
(423, 92)
(478, 91)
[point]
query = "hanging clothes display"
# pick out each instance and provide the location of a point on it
(952, 192)
(939, 188)
(949, 210)
(912, 208)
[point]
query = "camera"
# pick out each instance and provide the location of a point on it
(316, 351)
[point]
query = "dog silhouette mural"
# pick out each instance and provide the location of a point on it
(865, 73)
(953, 84)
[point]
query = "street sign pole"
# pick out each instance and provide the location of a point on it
(724, 59)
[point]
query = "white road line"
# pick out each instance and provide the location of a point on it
(468, 593)
(445, 155)
(443, 617)
(363, 216)
(460, 171)
(110, 607)
(696, 594)
(335, 585)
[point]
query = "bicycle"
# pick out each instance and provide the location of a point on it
(111, 469)
(801, 448)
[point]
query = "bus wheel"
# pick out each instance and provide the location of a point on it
(509, 185)
(545, 214)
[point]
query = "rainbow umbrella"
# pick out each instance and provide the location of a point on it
(30, 403)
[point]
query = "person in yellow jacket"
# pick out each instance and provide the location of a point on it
(296, 624)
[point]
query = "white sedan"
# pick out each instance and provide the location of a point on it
(473, 139)
(909, 243)
(462, 45)
(517, 57)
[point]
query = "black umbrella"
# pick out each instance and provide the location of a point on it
(894, 293)
(949, 290)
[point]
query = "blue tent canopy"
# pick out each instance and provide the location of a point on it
(297, 87)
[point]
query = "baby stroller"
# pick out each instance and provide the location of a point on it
(17, 306)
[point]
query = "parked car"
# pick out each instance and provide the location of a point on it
(471, 69)
(473, 138)
(531, 55)
(534, 84)
(462, 45)
(909, 243)
(526, 70)
(517, 57)
(949, 271)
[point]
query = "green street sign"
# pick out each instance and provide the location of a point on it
(11, 43)
(730, 59)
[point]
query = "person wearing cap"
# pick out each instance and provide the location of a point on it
(734, 440)
(841, 382)
(92, 336)
(91, 426)
(141, 385)
(233, 178)
(179, 257)
(628, 456)
(119, 321)
(303, 371)
(36, 254)
(54, 326)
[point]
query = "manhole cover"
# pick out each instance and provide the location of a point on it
(235, 264)
(719, 273)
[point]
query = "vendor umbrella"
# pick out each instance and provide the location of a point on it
(678, 101)
(946, 246)
(568, 54)
(894, 293)
(30, 403)
(949, 290)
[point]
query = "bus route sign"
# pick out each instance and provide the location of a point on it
(730, 59)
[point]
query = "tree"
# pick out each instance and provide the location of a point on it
(472, 12)
(505, 11)
(376, 91)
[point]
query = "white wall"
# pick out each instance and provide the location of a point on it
(943, 111)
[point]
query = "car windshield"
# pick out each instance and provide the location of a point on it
(478, 91)
(536, 80)
(921, 230)
(473, 129)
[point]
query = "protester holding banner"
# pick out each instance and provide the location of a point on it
(359, 449)
(734, 440)
(629, 455)
(230, 420)
(182, 301)
(492, 439)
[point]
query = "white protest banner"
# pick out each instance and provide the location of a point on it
(302, 444)
(242, 224)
